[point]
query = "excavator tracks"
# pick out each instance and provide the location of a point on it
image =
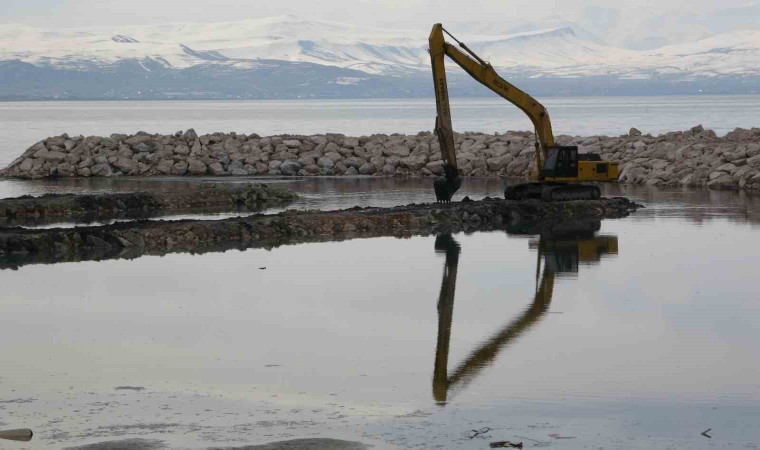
(552, 191)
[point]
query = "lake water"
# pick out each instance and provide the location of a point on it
(640, 334)
(637, 333)
(23, 124)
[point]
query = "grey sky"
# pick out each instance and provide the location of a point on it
(619, 23)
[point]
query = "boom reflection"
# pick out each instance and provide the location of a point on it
(562, 249)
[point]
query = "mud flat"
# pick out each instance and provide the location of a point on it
(51, 208)
(19, 246)
(694, 158)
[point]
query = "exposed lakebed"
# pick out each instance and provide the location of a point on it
(647, 337)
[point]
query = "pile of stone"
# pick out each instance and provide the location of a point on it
(695, 157)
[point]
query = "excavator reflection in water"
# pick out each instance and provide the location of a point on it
(562, 248)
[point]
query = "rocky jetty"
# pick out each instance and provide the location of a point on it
(695, 158)
(212, 197)
(21, 246)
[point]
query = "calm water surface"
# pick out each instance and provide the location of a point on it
(633, 333)
(24, 123)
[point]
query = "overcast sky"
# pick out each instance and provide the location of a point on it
(616, 21)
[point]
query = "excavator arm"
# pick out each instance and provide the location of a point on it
(484, 73)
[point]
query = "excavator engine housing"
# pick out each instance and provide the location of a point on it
(564, 163)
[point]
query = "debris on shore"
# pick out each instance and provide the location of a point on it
(19, 246)
(693, 158)
(51, 208)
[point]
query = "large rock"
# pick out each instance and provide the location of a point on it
(290, 167)
(367, 169)
(55, 157)
(126, 165)
(164, 166)
(66, 170)
(101, 170)
(325, 163)
(400, 151)
(179, 168)
(216, 169)
(498, 163)
(196, 167)
(190, 135)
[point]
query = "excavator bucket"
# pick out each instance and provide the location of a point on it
(445, 187)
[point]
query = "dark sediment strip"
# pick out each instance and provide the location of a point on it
(20, 246)
(52, 208)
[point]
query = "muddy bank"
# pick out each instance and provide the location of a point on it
(694, 158)
(20, 246)
(52, 208)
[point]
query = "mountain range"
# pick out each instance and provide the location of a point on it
(290, 57)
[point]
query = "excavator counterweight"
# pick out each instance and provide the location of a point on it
(559, 168)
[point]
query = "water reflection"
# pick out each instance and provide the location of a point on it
(562, 248)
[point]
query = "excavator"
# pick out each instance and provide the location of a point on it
(560, 168)
(562, 247)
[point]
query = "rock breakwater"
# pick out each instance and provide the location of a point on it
(19, 246)
(694, 158)
(51, 208)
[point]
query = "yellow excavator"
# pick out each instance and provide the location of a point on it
(560, 168)
(562, 247)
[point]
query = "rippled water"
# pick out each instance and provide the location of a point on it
(633, 333)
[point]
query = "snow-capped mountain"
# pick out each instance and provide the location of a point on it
(565, 51)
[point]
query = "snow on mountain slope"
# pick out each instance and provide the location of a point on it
(562, 51)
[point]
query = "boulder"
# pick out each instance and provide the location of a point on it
(290, 168)
(66, 170)
(754, 162)
(401, 151)
(165, 166)
(498, 163)
(126, 165)
(196, 167)
(354, 162)
(367, 169)
(335, 156)
(190, 135)
(26, 165)
(55, 157)
(216, 169)
(325, 163)
(101, 170)
(179, 168)
(435, 167)
(275, 164)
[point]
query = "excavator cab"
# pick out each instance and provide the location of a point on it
(561, 161)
